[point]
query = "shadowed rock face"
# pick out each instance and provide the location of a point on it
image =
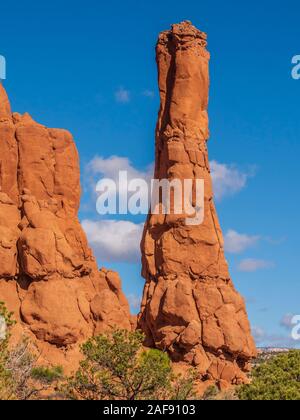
(190, 306)
(48, 274)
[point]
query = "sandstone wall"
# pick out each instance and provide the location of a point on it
(48, 274)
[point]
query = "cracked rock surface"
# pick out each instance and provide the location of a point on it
(48, 274)
(190, 307)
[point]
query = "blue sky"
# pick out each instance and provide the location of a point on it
(89, 67)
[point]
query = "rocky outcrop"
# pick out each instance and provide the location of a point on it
(48, 275)
(190, 307)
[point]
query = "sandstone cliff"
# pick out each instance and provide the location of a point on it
(190, 307)
(48, 275)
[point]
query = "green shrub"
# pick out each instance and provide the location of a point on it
(116, 366)
(47, 375)
(210, 393)
(6, 379)
(276, 379)
(20, 378)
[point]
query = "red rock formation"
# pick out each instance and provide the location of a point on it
(48, 275)
(190, 306)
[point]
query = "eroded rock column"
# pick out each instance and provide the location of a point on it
(190, 307)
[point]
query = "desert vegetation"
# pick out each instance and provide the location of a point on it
(275, 379)
(116, 366)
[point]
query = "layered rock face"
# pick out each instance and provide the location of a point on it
(48, 275)
(190, 307)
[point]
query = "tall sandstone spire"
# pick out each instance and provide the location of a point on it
(48, 274)
(190, 307)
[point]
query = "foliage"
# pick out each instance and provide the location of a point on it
(210, 393)
(47, 375)
(276, 379)
(20, 377)
(19, 363)
(213, 393)
(5, 375)
(117, 367)
(182, 386)
(6, 315)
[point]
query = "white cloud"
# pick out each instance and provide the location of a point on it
(262, 337)
(250, 265)
(148, 93)
(122, 95)
(112, 166)
(286, 321)
(258, 334)
(227, 179)
(114, 240)
(235, 242)
(134, 301)
(282, 341)
(104, 235)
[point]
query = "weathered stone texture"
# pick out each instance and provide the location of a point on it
(190, 307)
(48, 274)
